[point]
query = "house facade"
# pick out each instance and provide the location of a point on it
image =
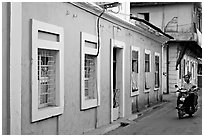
(183, 21)
(63, 76)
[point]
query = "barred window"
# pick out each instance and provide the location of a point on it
(90, 77)
(147, 69)
(90, 58)
(47, 70)
(135, 61)
(156, 71)
(46, 77)
(135, 71)
(147, 62)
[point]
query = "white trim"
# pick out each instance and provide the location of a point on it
(86, 104)
(38, 114)
(133, 48)
(147, 90)
(157, 54)
(121, 45)
(156, 89)
(15, 67)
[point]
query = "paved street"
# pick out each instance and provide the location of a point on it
(164, 121)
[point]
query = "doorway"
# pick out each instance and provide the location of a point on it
(117, 80)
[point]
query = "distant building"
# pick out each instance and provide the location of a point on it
(183, 21)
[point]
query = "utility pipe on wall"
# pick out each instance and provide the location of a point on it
(167, 68)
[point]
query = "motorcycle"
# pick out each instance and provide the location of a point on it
(186, 101)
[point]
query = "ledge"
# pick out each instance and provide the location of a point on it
(156, 89)
(147, 90)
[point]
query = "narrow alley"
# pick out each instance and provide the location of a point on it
(164, 121)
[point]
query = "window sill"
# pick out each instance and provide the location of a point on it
(135, 93)
(147, 90)
(88, 104)
(43, 113)
(156, 89)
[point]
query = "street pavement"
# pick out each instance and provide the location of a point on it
(164, 121)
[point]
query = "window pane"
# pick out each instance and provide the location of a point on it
(147, 62)
(135, 66)
(146, 57)
(46, 77)
(157, 75)
(135, 55)
(90, 77)
(156, 59)
(90, 44)
(199, 70)
(147, 67)
(135, 61)
(156, 71)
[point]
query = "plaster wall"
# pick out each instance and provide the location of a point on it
(161, 15)
(5, 66)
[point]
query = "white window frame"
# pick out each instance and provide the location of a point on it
(14, 121)
(42, 113)
(157, 54)
(133, 48)
(147, 52)
(90, 103)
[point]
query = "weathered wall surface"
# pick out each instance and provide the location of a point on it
(173, 73)
(74, 121)
(161, 15)
(5, 66)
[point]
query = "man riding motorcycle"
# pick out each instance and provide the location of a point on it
(191, 100)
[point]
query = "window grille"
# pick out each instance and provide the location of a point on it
(47, 70)
(134, 71)
(156, 71)
(147, 69)
(90, 77)
(46, 77)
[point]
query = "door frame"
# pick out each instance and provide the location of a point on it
(120, 45)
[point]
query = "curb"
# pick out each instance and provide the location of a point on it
(128, 120)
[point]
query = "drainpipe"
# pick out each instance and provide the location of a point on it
(167, 68)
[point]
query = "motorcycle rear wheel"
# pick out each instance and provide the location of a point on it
(180, 114)
(190, 115)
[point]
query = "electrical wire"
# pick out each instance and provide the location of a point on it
(98, 30)
(123, 26)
